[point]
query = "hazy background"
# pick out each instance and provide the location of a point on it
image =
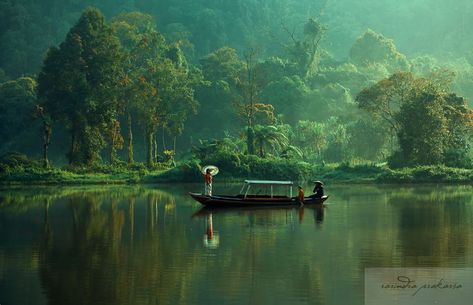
(421, 35)
(436, 27)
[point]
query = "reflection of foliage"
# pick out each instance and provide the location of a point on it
(92, 252)
(21, 199)
(427, 215)
(113, 246)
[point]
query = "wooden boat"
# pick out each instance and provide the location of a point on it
(247, 199)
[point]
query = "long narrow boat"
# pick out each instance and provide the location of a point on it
(247, 199)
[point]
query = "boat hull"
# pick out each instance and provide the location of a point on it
(238, 201)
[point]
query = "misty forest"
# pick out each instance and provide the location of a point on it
(277, 88)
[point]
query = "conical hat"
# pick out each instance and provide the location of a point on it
(213, 169)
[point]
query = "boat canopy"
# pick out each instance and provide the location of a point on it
(248, 183)
(268, 182)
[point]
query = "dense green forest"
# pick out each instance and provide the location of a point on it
(259, 88)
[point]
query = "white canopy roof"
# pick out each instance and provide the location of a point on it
(268, 182)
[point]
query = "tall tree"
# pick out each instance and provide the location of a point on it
(167, 92)
(384, 99)
(305, 51)
(221, 70)
(434, 127)
(427, 118)
(248, 103)
(47, 130)
(76, 84)
(140, 42)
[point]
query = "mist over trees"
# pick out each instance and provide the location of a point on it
(231, 81)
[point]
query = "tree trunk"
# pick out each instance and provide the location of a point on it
(112, 145)
(164, 143)
(155, 149)
(174, 144)
(47, 130)
(113, 152)
(149, 156)
(73, 150)
(250, 136)
(130, 141)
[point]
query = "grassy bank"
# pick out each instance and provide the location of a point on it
(29, 172)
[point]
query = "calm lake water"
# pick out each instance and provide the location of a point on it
(154, 244)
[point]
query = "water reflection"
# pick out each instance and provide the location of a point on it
(267, 216)
(432, 225)
(141, 245)
(211, 237)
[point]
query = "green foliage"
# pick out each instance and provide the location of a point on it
(423, 130)
(312, 138)
(17, 105)
(221, 70)
(428, 119)
(3, 76)
(432, 124)
(424, 174)
(274, 69)
(222, 64)
(221, 153)
(14, 161)
(368, 139)
(279, 169)
(288, 95)
(188, 171)
(384, 99)
(337, 138)
(304, 53)
(347, 172)
(374, 48)
(76, 84)
(269, 138)
(291, 70)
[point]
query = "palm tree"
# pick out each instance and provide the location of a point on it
(268, 136)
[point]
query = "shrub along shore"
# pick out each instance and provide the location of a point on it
(18, 171)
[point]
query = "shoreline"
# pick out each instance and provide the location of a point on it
(342, 174)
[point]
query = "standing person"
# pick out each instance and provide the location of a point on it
(318, 190)
(300, 196)
(208, 182)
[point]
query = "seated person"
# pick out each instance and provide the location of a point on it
(318, 190)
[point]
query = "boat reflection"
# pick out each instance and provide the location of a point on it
(263, 215)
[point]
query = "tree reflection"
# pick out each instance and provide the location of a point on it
(88, 261)
(138, 245)
(434, 225)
